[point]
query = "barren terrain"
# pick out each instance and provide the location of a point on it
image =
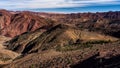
(6, 56)
(51, 40)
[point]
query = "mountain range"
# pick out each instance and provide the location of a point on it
(50, 40)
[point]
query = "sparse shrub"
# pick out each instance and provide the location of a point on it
(58, 48)
(88, 44)
(4, 59)
(18, 57)
(98, 42)
(32, 66)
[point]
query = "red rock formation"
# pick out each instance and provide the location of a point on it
(13, 24)
(5, 18)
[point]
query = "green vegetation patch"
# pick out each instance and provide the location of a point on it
(88, 44)
(5, 59)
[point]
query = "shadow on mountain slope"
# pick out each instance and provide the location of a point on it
(94, 62)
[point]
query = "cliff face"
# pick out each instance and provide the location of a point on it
(16, 23)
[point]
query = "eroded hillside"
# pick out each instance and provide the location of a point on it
(59, 35)
(16, 23)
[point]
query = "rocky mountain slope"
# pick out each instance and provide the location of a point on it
(16, 23)
(6, 56)
(104, 22)
(59, 35)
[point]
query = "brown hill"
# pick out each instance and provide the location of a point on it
(16, 23)
(104, 22)
(59, 35)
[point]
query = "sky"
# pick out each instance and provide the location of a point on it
(65, 6)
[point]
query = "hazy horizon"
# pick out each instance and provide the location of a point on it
(61, 6)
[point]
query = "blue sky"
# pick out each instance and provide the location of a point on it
(67, 6)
